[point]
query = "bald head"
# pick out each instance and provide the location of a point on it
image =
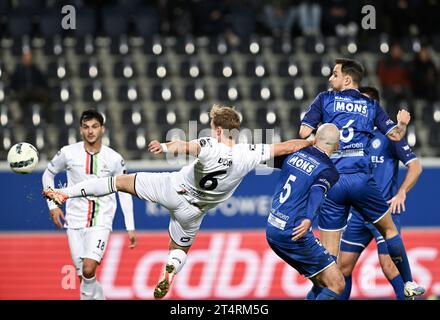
(327, 137)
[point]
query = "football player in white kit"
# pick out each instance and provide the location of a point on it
(188, 194)
(89, 220)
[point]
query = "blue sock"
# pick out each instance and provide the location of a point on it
(347, 291)
(397, 253)
(327, 294)
(313, 293)
(398, 287)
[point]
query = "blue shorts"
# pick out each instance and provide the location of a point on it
(357, 190)
(307, 255)
(358, 234)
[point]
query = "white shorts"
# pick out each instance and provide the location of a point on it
(185, 219)
(87, 243)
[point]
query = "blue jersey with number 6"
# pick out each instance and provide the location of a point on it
(356, 116)
(300, 171)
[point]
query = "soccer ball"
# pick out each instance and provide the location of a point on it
(23, 158)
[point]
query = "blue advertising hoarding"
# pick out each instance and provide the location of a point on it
(23, 208)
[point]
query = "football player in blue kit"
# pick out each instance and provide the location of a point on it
(356, 116)
(385, 156)
(306, 177)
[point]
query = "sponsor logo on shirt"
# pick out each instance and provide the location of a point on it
(376, 143)
(347, 105)
(389, 122)
(377, 159)
(303, 163)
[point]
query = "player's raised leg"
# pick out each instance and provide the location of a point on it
(93, 187)
(176, 259)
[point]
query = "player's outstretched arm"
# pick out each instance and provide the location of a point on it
(403, 119)
(175, 147)
(397, 202)
(289, 146)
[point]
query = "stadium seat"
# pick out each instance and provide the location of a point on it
(94, 92)
(267, 117)
(85, 45)
(295, 91)
(321, 67)
(316, 45)
(129, 92)
(2, 70)
(62, 92)
(154, 45)
(158, 69)
(7, 140)
(250, 45)
(196, 91)
(257, 68)
(58, 69)
(90, 69)
(186, 45)
(120, 45)
(282, 45)
(38, 138)
(54, 46)
(6, 119)
(295, 118)
(2, 92)
(64, 116)
(167, 115)
(106, 114)
(163, 92)
(136, 140)
(200, 114)
(68, 135)
(289, 68)
(133, 115)
(124, 69)
(262, 91)
(224, 68)
(191, 68)
(229, 92)
(218, 46)
(34, 116)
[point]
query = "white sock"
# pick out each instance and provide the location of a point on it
(99, 292)
(177, 258)
(93, 187)
(87, 288)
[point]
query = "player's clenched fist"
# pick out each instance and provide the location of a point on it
(155, 147)
(403, 117)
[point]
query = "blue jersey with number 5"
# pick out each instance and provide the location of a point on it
(300, 171)
(356, 116)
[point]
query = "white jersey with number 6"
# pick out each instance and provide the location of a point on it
(218, 170)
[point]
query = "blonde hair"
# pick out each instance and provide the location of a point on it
(225, 117)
